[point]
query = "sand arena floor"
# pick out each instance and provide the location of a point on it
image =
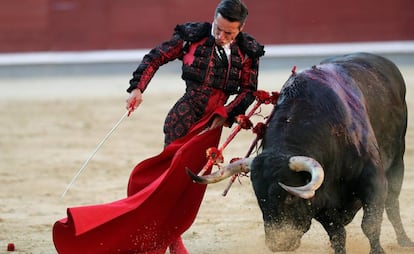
(52, 118)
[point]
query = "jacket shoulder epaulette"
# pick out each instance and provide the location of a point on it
(193, 31)
(250, 46)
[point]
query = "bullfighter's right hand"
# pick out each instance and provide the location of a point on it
(134, 100)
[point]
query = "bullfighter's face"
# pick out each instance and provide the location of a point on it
(286, 217)
(225, 31)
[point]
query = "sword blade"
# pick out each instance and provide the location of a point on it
(93, 154)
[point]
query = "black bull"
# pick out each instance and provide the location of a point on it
(344, 121)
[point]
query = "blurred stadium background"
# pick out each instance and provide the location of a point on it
(73, 32)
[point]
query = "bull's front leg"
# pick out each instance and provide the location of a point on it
(336, 233)
(371, 226)
(373, 191)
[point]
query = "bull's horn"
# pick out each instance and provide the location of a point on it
(239, 166)
(303, 163)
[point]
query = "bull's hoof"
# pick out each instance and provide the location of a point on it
(341, 251)
(406, 242)
(377, 250)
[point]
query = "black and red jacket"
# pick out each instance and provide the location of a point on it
(203, 71)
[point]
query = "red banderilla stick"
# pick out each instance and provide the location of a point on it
(229, 139)
(254, 143)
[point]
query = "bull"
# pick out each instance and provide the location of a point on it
(334, 144)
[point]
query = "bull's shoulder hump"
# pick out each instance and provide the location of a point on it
(363, 59)
(354, 57)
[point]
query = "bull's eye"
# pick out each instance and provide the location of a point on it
(289, 199)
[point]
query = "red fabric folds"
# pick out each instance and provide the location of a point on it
(162, 203)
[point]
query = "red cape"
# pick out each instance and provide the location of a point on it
(162, 203)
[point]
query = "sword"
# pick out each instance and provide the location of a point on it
(97, 148)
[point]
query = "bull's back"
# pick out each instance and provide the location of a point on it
(383, 89)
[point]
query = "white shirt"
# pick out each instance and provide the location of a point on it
(226, 47)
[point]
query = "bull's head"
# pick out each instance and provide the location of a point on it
(286, 210)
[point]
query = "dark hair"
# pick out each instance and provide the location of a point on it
(232, 10)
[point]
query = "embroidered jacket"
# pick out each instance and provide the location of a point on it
(203, 71)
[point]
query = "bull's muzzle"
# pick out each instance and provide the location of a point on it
(282, 239)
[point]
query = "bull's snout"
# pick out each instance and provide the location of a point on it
(282, 239)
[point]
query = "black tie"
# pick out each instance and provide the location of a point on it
(222, 54)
